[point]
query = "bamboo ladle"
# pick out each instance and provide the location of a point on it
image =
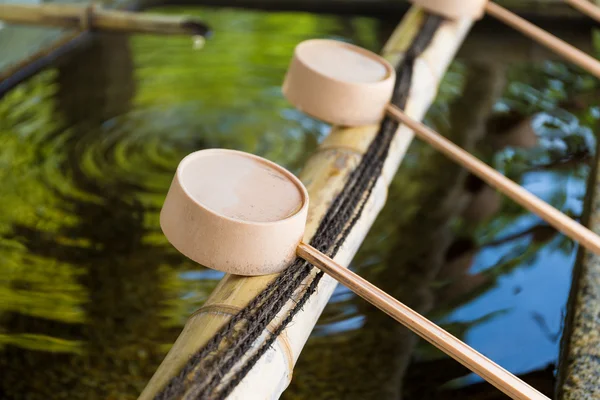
(239, 213)
(475, 9)
(336, 81)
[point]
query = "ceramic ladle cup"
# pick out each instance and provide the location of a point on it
(239, 213)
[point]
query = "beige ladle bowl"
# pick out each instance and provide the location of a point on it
(235, 212)
(339, 83)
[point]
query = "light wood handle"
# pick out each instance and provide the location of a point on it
(461, 352)
(559, 46)
(586, 7)
(554, 217)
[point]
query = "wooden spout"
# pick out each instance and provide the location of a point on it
(95, 18)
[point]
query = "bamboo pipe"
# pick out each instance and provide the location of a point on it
(95, 18)
(554, 217)
(586, 7)
(508, 383)
(559, 46)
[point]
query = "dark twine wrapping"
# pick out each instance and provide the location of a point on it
(202, 375)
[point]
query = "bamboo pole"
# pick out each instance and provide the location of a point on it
(95, 18)
(586, 7)
(324, 175)
(557, 45)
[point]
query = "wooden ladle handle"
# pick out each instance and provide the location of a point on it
(586, 7)
(554, 217)
(555, 44)
(461, 352)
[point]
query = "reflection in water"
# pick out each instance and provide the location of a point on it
(92, 295)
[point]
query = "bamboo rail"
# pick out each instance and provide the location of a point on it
(324, 175)
(96, 18)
